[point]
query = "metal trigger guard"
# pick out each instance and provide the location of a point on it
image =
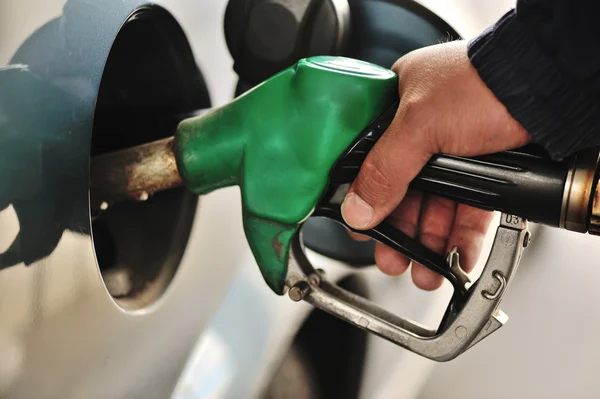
(469, 318)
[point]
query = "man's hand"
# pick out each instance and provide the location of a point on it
(445, 108)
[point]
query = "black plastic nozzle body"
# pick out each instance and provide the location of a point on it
(523, 182)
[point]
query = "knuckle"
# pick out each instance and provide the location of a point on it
(418, 124)
(407, 227)
(399, 65)
(402, 62)
(408, 62)
(374, 184)
(425, 279)
(414, 116)
(434, 241)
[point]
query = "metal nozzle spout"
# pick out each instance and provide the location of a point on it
(594, 225)
(133, 173)
(580, 195)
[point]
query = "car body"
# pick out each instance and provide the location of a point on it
(160, 298)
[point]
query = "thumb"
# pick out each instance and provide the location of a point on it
(384, 177)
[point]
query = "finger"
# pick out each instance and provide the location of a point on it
(358, 237)
(468, 233)
(435, 226)
(390, 262)
(406, 219)
(383, 179)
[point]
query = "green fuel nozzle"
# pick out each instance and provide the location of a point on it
(278, 143)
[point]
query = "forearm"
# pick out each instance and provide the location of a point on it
(542, 61)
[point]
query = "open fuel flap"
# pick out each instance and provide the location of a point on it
(150, 82)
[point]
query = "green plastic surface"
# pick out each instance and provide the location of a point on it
(278, 142)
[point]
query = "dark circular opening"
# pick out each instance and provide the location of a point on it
(150, 80)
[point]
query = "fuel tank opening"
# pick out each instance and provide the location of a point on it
(150, 82)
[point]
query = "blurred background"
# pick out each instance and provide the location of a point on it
(163, 299)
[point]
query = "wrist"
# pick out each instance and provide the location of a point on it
(558, 113)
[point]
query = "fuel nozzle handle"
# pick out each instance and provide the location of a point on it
(524, 182)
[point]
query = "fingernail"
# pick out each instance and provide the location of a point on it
(356, 212)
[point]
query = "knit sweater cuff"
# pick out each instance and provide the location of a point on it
(554, 108)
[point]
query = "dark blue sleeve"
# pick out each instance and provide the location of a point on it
(542, 61)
